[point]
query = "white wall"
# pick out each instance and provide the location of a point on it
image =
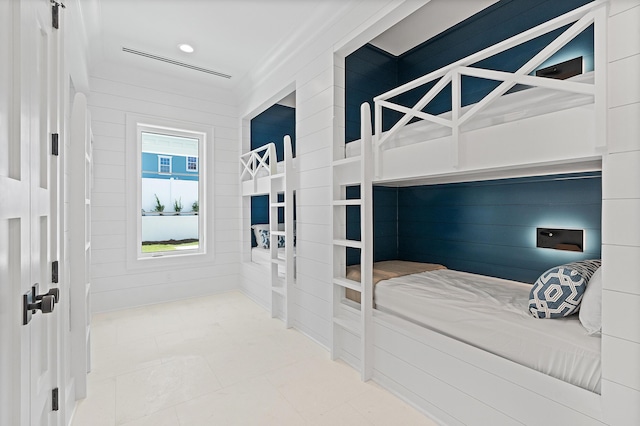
(169, 227)
(115, 92)
(620, 220)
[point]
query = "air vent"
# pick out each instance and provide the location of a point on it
(173, 62)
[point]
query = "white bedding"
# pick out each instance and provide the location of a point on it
(518, 105)
(491, 314)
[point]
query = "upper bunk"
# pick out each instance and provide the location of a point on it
(260, 170)
(523, 120)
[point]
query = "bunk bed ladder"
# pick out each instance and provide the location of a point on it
(282, 287)
(348, 318)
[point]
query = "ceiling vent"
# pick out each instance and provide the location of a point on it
(174, 62)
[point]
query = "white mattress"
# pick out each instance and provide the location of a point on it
(491, 314)
(519, 105)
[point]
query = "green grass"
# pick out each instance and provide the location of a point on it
(155, 248)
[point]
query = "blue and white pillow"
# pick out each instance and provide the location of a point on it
(280, 241)
(558, 292)
(263, 238)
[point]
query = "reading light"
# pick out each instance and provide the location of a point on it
(186, 48)
(560, 239)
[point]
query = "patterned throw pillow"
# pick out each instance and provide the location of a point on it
(280, 241)
(263, 238)
(558, 291)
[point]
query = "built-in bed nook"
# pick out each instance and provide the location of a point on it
(467, 240)
(268, 186)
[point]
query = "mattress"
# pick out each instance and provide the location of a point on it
(385, 270)
(491, 314)
(518, 105)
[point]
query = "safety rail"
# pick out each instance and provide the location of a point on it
(580, 19)
(260, 158)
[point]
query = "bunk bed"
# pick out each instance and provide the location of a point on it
(262, 174)
(450, 374)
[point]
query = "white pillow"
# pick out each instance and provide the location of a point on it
(591, 307)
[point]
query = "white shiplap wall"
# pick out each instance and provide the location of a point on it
(621, 220)
(114, 286)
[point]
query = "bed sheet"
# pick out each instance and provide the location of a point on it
(491, 314)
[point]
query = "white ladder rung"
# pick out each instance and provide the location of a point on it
(279, 290)
(277, 204)
(348, 243)
(277, 176)
(355, 202)
(348, 324)
(279, 261)
(347, 283)
(276, 233)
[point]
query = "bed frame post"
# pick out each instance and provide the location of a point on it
(600, 75)
(366, 253)
(455, 116)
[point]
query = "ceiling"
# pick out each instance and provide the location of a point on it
(234, 37)
(241, 38)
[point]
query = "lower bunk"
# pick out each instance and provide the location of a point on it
(464, 349)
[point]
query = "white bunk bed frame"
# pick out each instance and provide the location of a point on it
(451, 381)
(260, 176)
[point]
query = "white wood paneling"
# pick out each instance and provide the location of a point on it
(115, 285)
(622, 176)
(622, 405)
(626, 371)
(624, 84)
(620, 6)
(622, 224)
(622, 272)
(620, 316)
(624, 36)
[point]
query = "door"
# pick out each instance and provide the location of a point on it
(28, 236)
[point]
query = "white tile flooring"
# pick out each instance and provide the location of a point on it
(221, 360)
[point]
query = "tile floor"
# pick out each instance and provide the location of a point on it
(221, 360)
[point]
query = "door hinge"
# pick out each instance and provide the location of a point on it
(55, 404)
(55, 145)
(54, 272)
(55, 13)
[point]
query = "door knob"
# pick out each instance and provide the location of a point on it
(55, 292)
(32, 303)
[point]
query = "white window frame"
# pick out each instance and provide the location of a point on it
(165, 157)
(196, 163)
(204, 254)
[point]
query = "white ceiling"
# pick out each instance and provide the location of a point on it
(427, 22)
(242, 38)
(233, 37)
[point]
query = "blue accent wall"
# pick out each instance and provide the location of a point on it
(490, 26)
(272, 126)
(178, 167)
(369, 71)
(489, 227)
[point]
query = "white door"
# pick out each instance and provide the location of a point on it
(28, 77)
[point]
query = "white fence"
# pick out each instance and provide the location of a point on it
(163, 228)
(168, 191)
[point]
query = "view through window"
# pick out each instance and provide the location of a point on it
(169, 193)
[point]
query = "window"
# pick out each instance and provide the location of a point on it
(164, 164)
(167, 213)
(192, 164)
(170, 199)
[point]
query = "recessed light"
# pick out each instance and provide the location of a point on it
(187, 48)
